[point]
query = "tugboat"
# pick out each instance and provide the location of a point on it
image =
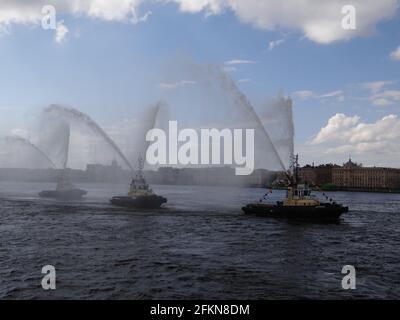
(140, 195)
(299, 203)
(65, 190)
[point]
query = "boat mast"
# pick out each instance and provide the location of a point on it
(293, 173)
(296, 168)
(139, 172)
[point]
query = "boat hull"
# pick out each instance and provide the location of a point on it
(141, 202)
(322, 212)
(73, 194)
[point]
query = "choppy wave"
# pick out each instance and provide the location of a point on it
(199, 246)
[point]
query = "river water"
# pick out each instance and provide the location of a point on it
(200, 246)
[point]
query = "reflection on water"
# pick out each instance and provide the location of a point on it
(199, 246)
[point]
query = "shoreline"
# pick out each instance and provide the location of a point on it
(360, 190)
(219, 185)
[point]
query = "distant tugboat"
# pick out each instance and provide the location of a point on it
(140, 195)
(299, 203)
(64, 191)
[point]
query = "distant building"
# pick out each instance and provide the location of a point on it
(99, 173)
(104, 173)
(352, 176)
(213, 176)
(352, 165)
(317, 176)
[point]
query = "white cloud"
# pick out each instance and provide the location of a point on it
(61, 32)
(232, 65)
(344, 134)
(385, 98)
(376, 86)
(319, 21)
(331, 94)
(239, 62)
(175, 85)
(30, 12)
(381, 102)
(379, 96)
(276, 43)
(335, 129)
(395, 55)
(393, 94)
(360, 148)
(308, 94)
(244, 80)
(194, 6)
(112, 10)
(303, 94)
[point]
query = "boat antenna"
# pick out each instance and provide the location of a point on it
(293, 173)
(139, 173)
(296, 168)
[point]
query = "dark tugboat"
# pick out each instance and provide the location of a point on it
(64, 191)
(140, 195)
(299, 204)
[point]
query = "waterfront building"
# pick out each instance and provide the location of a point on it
(317, 175)
(352, 176)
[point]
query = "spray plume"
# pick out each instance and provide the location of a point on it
(229, 87)
(276, 115)
(75, 115)
(216, 101)
(26, 142)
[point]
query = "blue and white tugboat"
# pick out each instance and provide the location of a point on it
(140, 195)
(299, 203)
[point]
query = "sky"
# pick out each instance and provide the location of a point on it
(112, 58)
